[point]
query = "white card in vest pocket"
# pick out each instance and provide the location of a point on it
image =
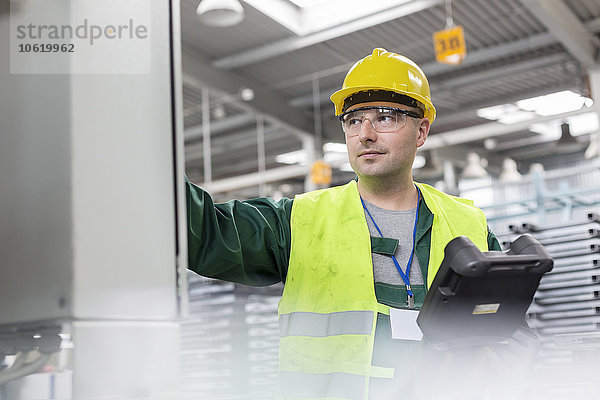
(404, 324)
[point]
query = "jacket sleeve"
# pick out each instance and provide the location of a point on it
(493, 244)
(246, 242)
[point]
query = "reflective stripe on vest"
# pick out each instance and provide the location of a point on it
(328, 309)
(321, 325)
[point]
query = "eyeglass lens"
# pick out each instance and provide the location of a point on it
(382, 120)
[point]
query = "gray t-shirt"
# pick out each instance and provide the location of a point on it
(398, 225)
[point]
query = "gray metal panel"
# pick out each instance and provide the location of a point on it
(123, 189)
(35, 210)
(88, 187)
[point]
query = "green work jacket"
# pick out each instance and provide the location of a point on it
(249, 242)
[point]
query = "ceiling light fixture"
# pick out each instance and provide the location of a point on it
(554, 103)
(510, 173)
(526, 109)
(474, 167)
(567, 143)
(220, 12)
(293, 157)
(581, 124)
(427, 162)
(593, 148)
(419, 162)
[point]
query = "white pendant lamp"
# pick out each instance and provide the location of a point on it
(474, 167)
(510, 173)
(220, 12)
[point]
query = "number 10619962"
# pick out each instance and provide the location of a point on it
(46, 48)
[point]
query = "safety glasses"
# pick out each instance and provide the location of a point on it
(382, 119)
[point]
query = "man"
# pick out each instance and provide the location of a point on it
(346, 254)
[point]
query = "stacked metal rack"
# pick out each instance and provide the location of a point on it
(568, 298)
(229, 347)
(565, 312)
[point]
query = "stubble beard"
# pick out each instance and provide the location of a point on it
(383, 169)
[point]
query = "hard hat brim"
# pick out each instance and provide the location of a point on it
(338, 97)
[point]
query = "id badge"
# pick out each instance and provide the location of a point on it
(404, 324)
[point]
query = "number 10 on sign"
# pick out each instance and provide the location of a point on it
(450, 45)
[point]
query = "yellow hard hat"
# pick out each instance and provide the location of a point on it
(388, 72)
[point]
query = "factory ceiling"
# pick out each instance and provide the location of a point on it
(266, 81)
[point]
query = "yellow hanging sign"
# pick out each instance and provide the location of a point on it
(320, 173)
(450, 45)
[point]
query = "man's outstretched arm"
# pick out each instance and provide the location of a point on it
(240, 241)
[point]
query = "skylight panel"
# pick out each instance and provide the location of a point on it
(526, 109)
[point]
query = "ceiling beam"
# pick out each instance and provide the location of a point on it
(489, 130)
(498, 72)
(566, 27)
(200, 73)
(225, 145)
(473, 58)
(253, 179)
(284, 12)
(285, 46)
(470, 110)
(460, 81)
(231, 122)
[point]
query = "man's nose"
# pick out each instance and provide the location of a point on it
(367, 130)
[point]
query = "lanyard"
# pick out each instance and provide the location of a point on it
(405, 276)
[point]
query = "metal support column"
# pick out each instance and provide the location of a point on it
(449, 177)
(308, 144)
(260, 143)
(317, 117)
(538, 184)
(206, 137)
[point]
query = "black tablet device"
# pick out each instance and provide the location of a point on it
(480, 298)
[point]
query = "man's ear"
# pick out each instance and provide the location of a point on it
(422, 131)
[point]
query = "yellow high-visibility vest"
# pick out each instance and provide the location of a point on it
(328, 311)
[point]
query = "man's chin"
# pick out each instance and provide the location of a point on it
(370, 172)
